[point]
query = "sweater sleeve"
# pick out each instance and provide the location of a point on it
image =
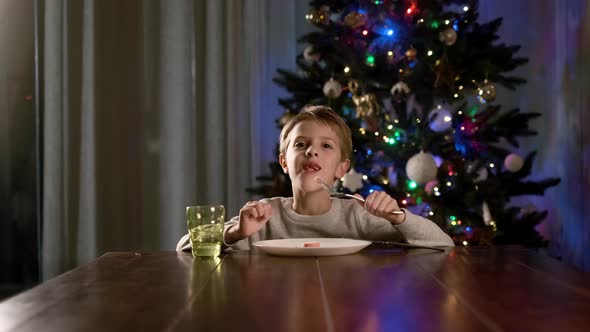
(421, 231)
(240, 245)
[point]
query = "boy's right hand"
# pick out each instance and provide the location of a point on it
(252, 217)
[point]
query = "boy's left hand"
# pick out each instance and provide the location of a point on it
(380, 204)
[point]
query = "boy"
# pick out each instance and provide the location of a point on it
(314, 145)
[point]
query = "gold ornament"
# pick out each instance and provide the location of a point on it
(486, 93)
(444, 73)
(355, 19)
(448, 36)
(354, 87)
(367, 105)
(411, 54)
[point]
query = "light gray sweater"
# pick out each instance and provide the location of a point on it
(345, 219)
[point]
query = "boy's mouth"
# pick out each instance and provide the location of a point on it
(311, 167)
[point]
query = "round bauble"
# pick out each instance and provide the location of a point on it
(421, 168)
(448, 36)
(332, 89)
(486, 93)
(310, 55)
(411, 54)
(513, 162)
(440, 119)
(355, 19)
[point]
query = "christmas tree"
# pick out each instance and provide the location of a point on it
(416, 82)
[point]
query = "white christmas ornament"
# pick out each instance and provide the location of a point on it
(309, 55)
(421, 168)
(513, 162)
(440, 119)
(482, 172)
(400, 90)
(332, 89)
(352, 180)
(482, 175)
(486, 215)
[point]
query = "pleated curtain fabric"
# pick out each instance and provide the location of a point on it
(149, 106)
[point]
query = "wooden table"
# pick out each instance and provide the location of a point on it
(378, 289)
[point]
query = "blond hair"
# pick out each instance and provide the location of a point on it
(325, 116)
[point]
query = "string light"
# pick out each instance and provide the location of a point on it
(465, 243)
(492, 165)
(346, 69)
(390, 127)
(429, 52)
(365, 177)
(466, 8)
(365, 32)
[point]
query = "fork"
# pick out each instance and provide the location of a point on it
(335, 193)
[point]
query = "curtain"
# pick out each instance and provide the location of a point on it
(149, 106)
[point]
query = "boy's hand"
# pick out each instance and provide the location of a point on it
(252, 217)
(380, 204)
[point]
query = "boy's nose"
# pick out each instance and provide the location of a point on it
(311, 153)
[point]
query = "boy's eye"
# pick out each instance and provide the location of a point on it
(299, 144)
(327, 146)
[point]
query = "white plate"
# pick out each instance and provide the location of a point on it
(294, 247)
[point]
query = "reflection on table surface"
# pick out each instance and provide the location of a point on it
(377, 289)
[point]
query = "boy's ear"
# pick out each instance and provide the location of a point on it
(283, 162)
(343, 168)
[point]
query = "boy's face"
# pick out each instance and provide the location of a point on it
(313, 151)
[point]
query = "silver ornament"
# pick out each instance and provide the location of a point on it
(421, 168)
(440, 119)
(332, 89)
